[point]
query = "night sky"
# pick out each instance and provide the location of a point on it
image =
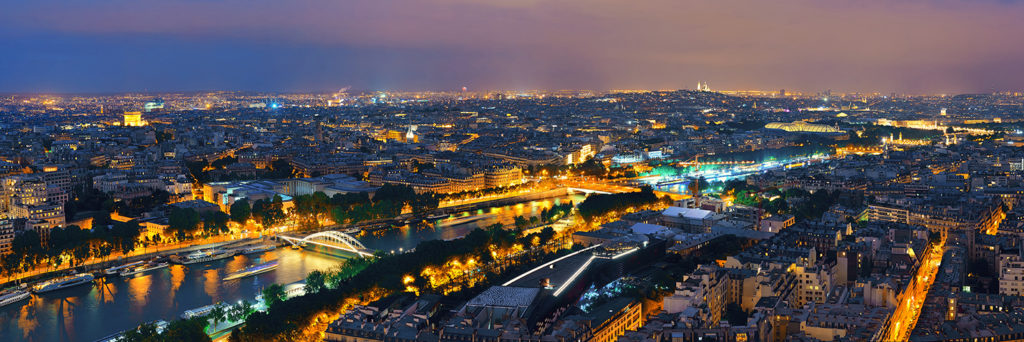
(907, 46)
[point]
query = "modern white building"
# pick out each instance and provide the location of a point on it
(689, 219)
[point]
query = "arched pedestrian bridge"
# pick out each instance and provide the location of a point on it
(331, 239)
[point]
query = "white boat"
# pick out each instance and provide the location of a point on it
(117, 269)
(295, 290)
(13, 296)
(258, 249)
(200, 311)
(438, 217)
(253, 270)
(142, 268)
(159, 324)
(63, 282)
(467, 219)
(201, 256)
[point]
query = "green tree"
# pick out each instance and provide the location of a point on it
(241, 211)
(223, 161)
(777, 206)
(144, 333)
(183, 220)
(241, 311)
(521, 222)
(216, 315)
(340, 214)
(197, 170)
(315, 281)
(186, 330)
(125, 235)
(600, 204)
(215, 222)
(274, 294)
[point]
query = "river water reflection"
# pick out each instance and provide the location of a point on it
(87, 313)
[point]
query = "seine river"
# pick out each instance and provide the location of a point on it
(87, 313)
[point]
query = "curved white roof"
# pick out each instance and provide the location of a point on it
(690, 213)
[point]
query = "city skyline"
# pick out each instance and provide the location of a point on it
(737, 215)
(511, 170)
(905, 47)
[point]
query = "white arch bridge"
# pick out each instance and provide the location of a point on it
(331, 239)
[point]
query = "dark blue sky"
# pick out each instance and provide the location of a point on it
(303, 45)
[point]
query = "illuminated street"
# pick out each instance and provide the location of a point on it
(904, 317)
(483, 171)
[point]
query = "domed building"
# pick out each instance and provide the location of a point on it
(802, 126)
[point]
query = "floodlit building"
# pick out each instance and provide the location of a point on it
(133, 119)
(6, 235)
(802, 126)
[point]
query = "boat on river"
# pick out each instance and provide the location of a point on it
(257, 249)
(253, 270)
(143, 268)
(117, 269)
(63, 282)
(13, 296)
(437, 217)
(200, 311)
(159, 324)
(468, 219)
(201, 256)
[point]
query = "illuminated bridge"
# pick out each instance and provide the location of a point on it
(331, 239)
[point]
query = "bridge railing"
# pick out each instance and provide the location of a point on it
(331, 239)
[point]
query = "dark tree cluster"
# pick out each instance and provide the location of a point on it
(600, 204)
(798, 202)
(483, 192)
(87, 199)
(137, 206)
(546, 216)
(186, 223)
(179, 330)
(387, 202)
(30, 249)
(201, 170)
(285, 319)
